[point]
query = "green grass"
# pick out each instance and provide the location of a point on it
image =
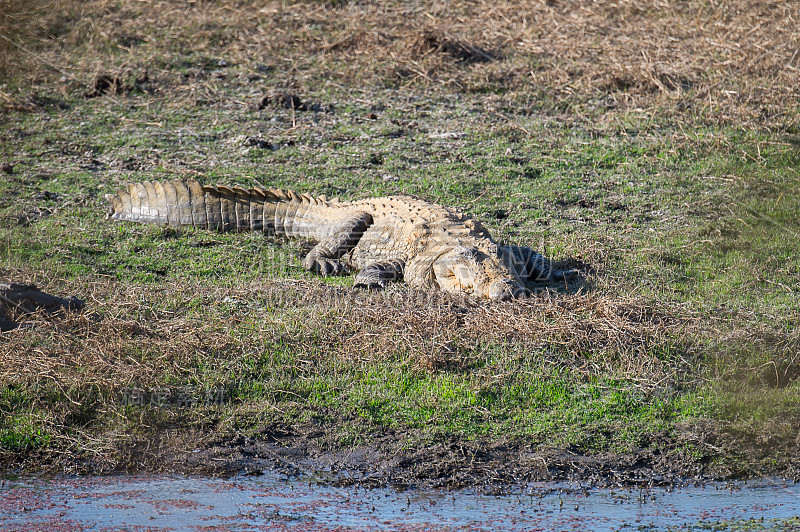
(21, 430)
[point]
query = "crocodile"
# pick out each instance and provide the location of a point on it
(386, 239)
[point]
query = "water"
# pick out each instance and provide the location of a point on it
(155, 503)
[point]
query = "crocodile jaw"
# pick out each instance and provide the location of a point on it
(477, 273)
(506, 290)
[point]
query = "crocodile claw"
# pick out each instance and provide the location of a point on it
(369, 286)
(327, 267)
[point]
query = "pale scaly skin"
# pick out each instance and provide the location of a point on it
(388, 239)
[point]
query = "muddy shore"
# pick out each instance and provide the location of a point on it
(490, 466)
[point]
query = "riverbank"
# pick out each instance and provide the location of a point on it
(672, 190)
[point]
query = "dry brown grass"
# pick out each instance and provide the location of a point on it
(733, 60)
(127, 337)
(75, 366)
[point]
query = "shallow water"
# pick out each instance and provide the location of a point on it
(155, 503)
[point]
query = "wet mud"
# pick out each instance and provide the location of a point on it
(491, 466)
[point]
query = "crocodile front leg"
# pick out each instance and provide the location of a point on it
(380, 273)
(325, 257)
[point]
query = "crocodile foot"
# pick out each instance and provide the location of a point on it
(326, 267)
(379, 274)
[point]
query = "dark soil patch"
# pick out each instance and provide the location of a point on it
(115, 84)
(279, 99)
(282, 99)
(433, 41)
(103, 84)
(493, 465)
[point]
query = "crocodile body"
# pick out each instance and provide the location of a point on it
(387, 239)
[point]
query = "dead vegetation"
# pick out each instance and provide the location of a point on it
(720, 60)
(126, 337)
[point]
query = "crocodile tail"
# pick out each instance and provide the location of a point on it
(217, 208)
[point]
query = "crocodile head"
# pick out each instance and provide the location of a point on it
(478, 270)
